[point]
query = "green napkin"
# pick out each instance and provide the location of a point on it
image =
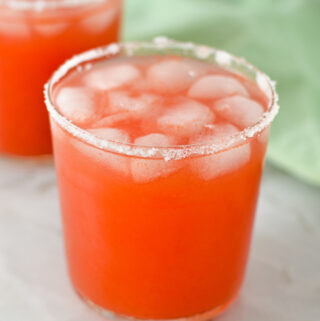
(281, 37)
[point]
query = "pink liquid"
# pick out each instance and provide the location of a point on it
(150, 238)
(32, 45)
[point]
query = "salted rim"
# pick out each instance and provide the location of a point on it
(40, 5)
(201, 52)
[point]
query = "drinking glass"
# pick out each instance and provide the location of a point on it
(35, 38)
(171, 247)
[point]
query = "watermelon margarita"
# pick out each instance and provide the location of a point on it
(159, 151)
(35, 38)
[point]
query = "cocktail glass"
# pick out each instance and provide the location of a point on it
(144, 245)
(35, 38)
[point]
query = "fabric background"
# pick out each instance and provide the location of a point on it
(281, 37)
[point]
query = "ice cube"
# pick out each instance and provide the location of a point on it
(77, 104)
(115, 162)
(110, 77)
(185, 119)
(224, 162)
(50, 29)
(197, 68)
(172, 76)
(241, 111)
(147, 170)
(14, 28)
(215, 87)
(113, 134)
(99, 22)
(115, 120)
(121, 101)
(217, 133)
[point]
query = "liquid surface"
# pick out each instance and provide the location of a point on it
(159, 102)
(183, 100)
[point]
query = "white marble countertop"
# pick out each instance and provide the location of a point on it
(283, 279)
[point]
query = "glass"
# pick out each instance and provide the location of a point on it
(171, 248)
(35, 38)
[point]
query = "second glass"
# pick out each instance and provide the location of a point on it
(35, 38)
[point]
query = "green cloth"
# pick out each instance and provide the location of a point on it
(281, 37)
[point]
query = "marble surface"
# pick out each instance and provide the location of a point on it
(283, 279)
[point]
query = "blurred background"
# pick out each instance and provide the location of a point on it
(281, 37)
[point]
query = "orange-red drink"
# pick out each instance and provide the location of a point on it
(35, 38)
(159, 151)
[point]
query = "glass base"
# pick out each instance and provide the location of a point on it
(209, 315)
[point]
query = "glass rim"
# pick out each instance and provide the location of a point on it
(222, 58)
(40, 5)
